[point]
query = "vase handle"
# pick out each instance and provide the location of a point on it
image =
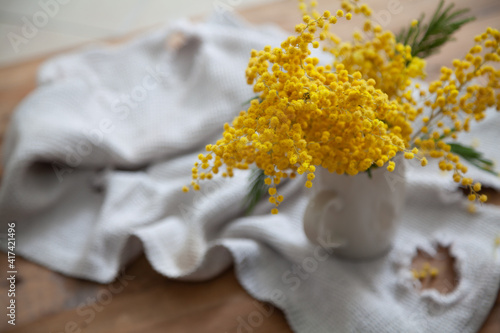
(318, 218)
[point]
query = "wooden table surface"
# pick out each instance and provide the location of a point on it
(141, 300)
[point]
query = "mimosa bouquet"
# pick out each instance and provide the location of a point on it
(361, 110)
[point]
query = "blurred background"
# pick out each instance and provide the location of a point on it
(32, 28)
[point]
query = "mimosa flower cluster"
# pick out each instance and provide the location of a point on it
(461, 96)
(355, 113)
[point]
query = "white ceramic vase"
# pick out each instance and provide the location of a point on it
(356, 216)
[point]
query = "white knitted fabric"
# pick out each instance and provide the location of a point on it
(95, 158)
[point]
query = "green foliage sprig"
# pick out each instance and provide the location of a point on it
(256, 190)
(473, 157)
(425, 39)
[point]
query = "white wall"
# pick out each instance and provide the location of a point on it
(65, 23)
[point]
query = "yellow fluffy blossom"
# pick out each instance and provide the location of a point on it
(354, 113)
(460, 96)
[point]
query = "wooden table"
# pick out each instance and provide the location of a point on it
(141, 300)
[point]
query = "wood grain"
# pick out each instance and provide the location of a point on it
(141, 300)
